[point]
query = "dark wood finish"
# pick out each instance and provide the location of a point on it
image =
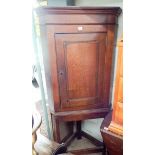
(113, 141)
(92, 139)
(79, 10)
(78, 15)
(68, 139)
(77, 48)
(81, 114)
(56, 129)
(78, 126)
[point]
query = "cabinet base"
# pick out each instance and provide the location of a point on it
(77, 116)
(98, 146)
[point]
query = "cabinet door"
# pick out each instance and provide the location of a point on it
(80, 62)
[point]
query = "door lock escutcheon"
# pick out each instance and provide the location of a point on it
(61, 72)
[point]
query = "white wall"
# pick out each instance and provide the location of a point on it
(104, 3)
(57, 3)
(93, 126)
(96, 2)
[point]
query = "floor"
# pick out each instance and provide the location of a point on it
(82, 144)
(44, 146)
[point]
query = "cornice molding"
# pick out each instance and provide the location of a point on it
(78, 10)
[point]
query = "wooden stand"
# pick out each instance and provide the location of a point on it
(71, 135)
(76, 116)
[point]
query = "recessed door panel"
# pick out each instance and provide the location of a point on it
(80, 60)
(82, 69)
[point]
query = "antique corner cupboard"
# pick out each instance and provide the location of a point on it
(77, 47)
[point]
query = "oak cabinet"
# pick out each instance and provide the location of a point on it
(77, 47)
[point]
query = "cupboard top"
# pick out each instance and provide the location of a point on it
(78, 15)
(78, 10)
